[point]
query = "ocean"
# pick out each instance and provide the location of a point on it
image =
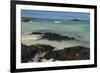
(78, 29)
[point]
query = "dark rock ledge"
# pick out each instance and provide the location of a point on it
(53, 36)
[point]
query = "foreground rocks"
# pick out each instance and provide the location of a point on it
(38, 53)
(72, 53)
(29, 52)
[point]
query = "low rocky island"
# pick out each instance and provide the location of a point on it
(26, 19)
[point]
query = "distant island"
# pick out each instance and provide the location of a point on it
(76, 20)
(27, 19)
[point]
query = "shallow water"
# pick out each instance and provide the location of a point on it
(78, 29)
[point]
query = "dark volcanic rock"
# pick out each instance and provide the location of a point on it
(53, 36)
(78, 52)
(37, 33)
(72, 53)
(25, 53)
(56, 55)
(28, 52)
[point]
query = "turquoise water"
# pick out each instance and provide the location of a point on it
(78, 29)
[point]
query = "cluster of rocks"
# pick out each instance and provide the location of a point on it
(72, 53)
(53, 36)
(28, 53)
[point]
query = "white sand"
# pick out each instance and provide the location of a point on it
(34, 39)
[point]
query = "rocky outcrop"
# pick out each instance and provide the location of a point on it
(38, 52)
(29, 52)
(72, 53)
(53, 36)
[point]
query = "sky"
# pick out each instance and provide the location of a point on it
(55, 14)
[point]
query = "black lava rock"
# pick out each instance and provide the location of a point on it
(29, 52)
(72, 53)
(53, 36)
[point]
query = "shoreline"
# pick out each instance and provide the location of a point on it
(36, 38)
(36, 48)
